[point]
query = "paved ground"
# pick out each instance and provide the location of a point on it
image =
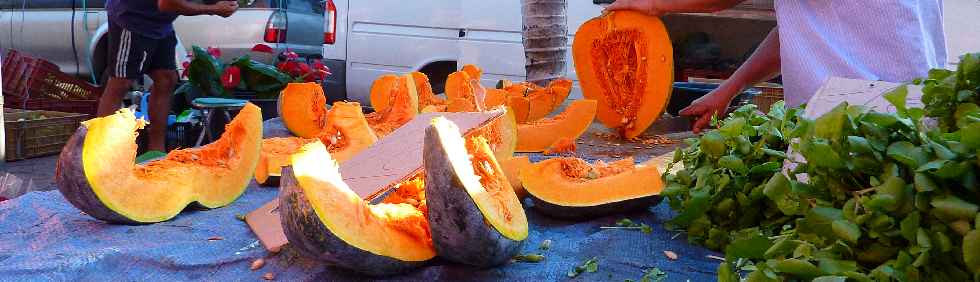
(17, 178)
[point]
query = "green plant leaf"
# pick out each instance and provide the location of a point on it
(897, 98)
(907, 154)
(748, 243)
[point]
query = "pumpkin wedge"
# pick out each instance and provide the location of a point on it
(403, 105)
(544, 101)
(324, 219)
(459, 86)
(538, 136)
(303, 109)
(96, 172)
(474, 214)
(424, 88)
(381, 90)
(624, 60)
(572, 188)
(347, 133)
(512, 168)
(472, 70)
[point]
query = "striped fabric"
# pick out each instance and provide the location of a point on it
(890, 40)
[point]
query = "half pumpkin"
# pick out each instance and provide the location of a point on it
(96, 172)
(624, 60)
(573, 188)
(303, 109)
(324, 219)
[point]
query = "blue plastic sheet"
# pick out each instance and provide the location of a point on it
(43, 237)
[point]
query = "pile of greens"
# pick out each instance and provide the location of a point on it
(874, 196)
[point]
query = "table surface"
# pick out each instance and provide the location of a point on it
(43, 237)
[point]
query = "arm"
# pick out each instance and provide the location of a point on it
(187, 8)
(764, 64)
(661, 7)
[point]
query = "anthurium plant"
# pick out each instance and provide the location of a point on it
(207, 76)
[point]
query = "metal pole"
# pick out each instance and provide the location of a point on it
(3, 131)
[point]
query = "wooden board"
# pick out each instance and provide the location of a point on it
(373, 173)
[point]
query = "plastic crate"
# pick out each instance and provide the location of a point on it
(179, 135)
(36, 84)
(767, 97)
(31, 134)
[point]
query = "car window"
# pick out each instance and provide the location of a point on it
(262, 3)
(49, 4)
(307, 6)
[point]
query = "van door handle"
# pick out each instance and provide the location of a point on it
(597, 2)
(462, 32)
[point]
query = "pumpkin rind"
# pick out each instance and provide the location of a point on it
(470, 224)
(558, 195)
(96, 172)
(537, 136)
(324, 219)
(303, 109)
(624, 60)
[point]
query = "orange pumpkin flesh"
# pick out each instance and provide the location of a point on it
(474, 71)
(496, 97)
(302, 107)
(403, 105)
(573, 188)
(346, 134)
(544, 101)
(458, 86)
(381, 90)
(624, 60)
(426, 96)
(538, 136)
(512, 168)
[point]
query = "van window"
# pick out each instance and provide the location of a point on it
(301, 6)
(48, 4)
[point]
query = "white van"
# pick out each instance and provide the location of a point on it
(436, 37)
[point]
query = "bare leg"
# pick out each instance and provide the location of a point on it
(112, 96)
(164, 82)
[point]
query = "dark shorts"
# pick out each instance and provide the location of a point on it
(131, 55)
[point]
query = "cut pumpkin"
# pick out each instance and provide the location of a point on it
(275, 155)
(624, 60)
(459, 86)
(96, 172)
(512, 168)
(347, 133)
(539, 135)
(303, 109)
(474, 214)
(573, 188)
(424, 89)
(501, 134)
(544, 101)
(403, 105)
(381, 90)
(474, 71)
(324, 219)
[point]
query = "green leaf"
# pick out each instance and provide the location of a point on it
(732, 127)
(819, 153)
(923, 183)
(971, 251)
(970, 136)
(955, 207)
(833, 266)
(713, 144)
(908, 227)
(748, 243)
(831, 124)
(830, 279)
(846, 230)
(797, 267)
(765, 168)
(782, 247)
(698, 204)
(531, 258)
(733, 163)
(819, 219)
(945, 168)
(778, 191)
(726, 273)
(653, 275)
(897, 98)
(907, 154)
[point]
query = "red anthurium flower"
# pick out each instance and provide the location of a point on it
(215, 52)
(322, 70)
(290, 55)
(262, 48)
(231, 77)
(187, 66)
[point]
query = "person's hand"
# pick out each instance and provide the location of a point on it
(713, 104)
(650, 7)
(225, 8)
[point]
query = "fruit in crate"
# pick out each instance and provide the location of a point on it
(624, 60)
(97, 174)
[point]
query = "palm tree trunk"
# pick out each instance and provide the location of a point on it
(545, 40)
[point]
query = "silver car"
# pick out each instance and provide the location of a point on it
(72, 33)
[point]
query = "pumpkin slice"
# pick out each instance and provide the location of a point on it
(539, 135)
(403, 105)
(434, 109)
(347, 133)
(474, 214)
(472, 70)
(512, 168)
(96, 172)
(426, 96)
(458, 86)
(275, 155)
(381, 90)
(496, 97)
(544, 101)
(624, 60)
(324, 219)
(303, 109)
(522, 108)
(573, 188)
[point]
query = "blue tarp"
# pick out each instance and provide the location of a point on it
(43, 237)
